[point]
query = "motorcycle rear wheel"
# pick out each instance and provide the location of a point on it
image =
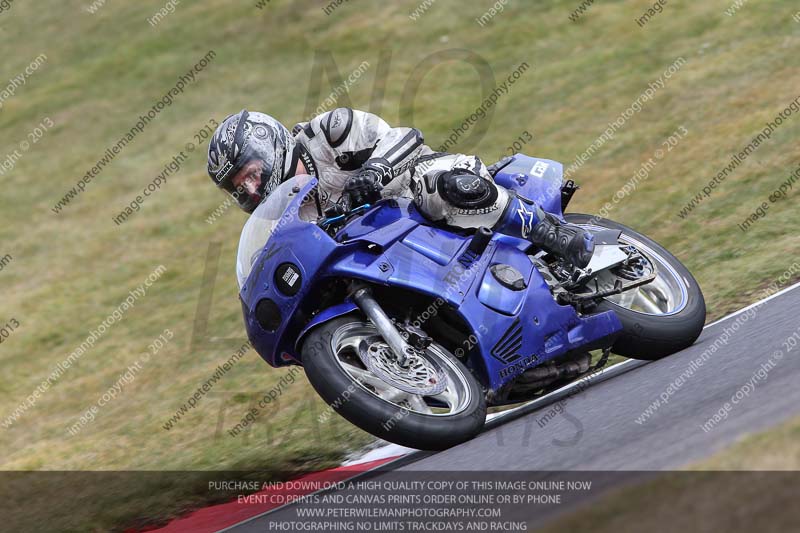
(661, 317)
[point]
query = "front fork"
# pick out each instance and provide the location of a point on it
(362, 296)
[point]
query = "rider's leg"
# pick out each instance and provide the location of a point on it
(523, 217)
(461, 198)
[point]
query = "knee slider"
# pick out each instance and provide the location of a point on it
(465, 189)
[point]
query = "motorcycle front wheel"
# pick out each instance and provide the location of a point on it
(661, 317)
(439, 406)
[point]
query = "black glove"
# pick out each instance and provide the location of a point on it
(363, 188)
(494, 168)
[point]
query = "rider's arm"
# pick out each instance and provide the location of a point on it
(364, 140)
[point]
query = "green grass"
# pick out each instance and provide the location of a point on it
(104, 70)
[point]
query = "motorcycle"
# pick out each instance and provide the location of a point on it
(411, 331)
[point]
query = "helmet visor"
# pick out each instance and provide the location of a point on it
(247, 184)
(247, 201)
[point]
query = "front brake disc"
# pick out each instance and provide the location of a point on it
(418, 376)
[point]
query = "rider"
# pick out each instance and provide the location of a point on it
(357, 155)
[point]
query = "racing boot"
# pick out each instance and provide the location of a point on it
(524, 218)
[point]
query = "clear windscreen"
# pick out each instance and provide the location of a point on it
(265, 220)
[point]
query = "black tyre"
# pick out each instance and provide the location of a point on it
(427, 422)
(662, 317)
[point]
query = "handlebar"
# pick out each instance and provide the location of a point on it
(344, 213)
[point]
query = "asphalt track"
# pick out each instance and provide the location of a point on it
(598, 428)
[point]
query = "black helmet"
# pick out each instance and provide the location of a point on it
(245, 137)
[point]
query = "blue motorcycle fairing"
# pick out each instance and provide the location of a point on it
(392, 245)
(494, 294)
(299, 243)
(536, 179)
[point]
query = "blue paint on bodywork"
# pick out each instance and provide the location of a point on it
(392, 245)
